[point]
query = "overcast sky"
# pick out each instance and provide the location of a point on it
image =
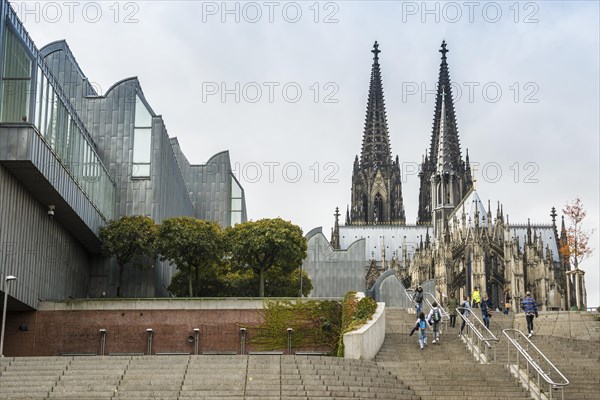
(283, 86)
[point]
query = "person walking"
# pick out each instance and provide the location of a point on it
(529, 307)
(418, 299)
(476, 297)
(434, 318)
(421, 326)
(465, 310)
(487, 310)
(452, 305)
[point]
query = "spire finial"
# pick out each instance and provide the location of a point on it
(443, 50)
(376, 51)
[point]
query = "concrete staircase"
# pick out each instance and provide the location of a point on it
(578, 361)
(257, 377)
(445, 370)
(400, 371)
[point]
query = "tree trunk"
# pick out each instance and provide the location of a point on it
(120, 280)
(190, 284)
(196, 282)
(261, 278)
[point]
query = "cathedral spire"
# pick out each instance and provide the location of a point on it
(335, 231)
(376, 179)
(376, 151)
(444, 149)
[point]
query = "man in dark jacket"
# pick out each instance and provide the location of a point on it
(529, 307)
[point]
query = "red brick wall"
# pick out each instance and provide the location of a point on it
(51, 333)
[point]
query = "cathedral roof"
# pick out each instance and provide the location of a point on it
(376, 148)
(544, 231)
(471, 208)
(389, 238)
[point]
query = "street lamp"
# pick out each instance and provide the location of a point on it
(6, 280)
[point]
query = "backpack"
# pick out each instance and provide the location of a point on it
(436, 315)
(422, 324)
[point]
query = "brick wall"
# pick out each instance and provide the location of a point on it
(51, 333)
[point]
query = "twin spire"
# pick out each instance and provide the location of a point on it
(376, 187)
(376, 150)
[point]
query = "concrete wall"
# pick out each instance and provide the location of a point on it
(48, 261)
(365, 342)
(334, 272)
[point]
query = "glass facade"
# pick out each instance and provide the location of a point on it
(56, 123)
(16, 80)
(236, 202)
(142, 141)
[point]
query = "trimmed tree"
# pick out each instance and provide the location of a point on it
(265, 244)
(191, 244)
(129, 239)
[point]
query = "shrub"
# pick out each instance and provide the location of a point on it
(354, 315)
(315, 324)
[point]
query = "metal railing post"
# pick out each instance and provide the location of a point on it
(102, 333)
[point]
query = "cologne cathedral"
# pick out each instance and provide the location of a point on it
(458, 242)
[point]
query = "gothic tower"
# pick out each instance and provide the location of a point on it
(376, 181)
(445, 178)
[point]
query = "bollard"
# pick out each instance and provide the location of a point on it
(102, 340)
(242, 340)
(150, 333)
(196, 341)
(289, 337)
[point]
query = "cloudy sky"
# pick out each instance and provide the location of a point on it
(283, 86)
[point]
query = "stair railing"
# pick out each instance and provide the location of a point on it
(428, 299)
(480, 338)
(528, 354)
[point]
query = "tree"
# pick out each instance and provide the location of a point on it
(265, 244)
(129, 239)
(191, 244)
(576, 246)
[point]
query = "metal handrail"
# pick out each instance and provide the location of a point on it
(483, 334)
(410, 292)
(531, 362)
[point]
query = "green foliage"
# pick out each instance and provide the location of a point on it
(355, 313)
(265, 244)
(223, 281)
(130, 239)
(365, 309)
(315, 324)
(192, 245)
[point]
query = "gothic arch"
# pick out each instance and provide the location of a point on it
(378, 208)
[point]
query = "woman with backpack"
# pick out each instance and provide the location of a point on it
(435, 318)
(421, 326)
